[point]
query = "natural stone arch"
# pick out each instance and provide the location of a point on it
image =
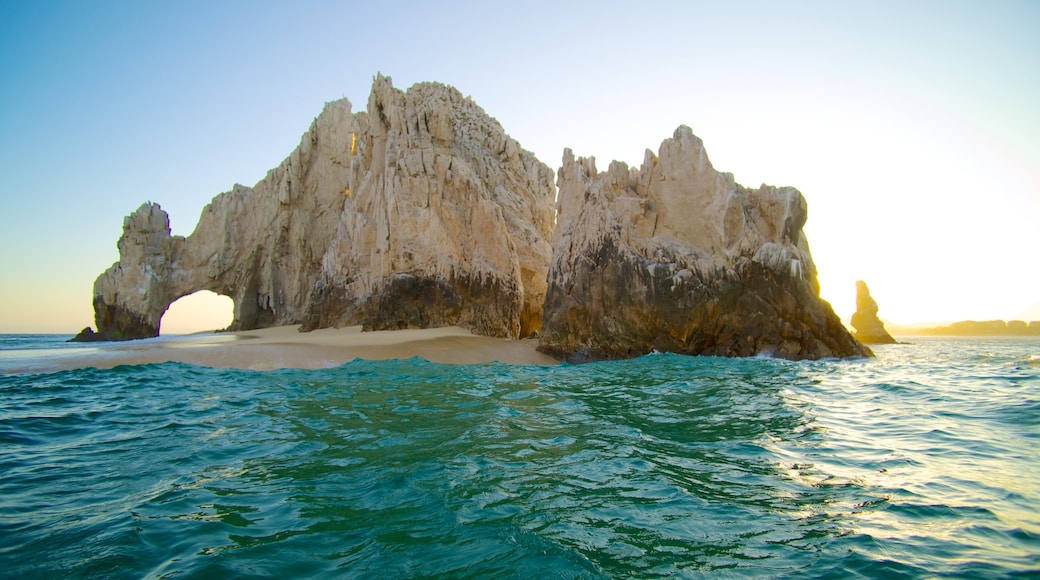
(217, 310)
(262, 246)
(421, 212)
(264, 278)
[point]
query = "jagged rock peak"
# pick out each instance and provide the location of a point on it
(676, 256)
(418, 212)
(869, 328)
(448, 221)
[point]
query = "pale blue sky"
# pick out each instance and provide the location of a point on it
(912, 128)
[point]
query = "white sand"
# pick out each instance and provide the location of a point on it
(286, 347)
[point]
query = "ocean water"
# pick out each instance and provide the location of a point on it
(921, 463)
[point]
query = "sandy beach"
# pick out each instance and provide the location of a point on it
(286, 347)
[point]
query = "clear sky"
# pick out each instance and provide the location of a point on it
(911, 127)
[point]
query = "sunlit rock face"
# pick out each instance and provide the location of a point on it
(869, 328)
(448, 221)
(420, 212)
(677, 257)
(262, 245)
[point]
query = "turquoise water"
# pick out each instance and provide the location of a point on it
(922, 463)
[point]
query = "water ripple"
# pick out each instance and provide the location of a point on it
(921, 463)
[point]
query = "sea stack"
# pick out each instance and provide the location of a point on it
(420, 212)
(677, 257)
(869, 328)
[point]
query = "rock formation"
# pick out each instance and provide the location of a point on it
(869, 328)
(677, 257)
(419, 212)
(447, 221)
(422, 212)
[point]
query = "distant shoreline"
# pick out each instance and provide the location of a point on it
(974, 328)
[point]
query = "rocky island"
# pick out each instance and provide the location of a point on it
(678, 257)
(421, 212)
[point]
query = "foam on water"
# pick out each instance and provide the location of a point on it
(921, 463)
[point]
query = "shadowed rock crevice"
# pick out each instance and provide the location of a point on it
(485, 306)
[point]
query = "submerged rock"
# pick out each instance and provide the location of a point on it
(869, 328)
(419, 212)
(677, 257)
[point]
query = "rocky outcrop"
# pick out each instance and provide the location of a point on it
(419, 212)
(422, 212)
(262, 246)
(869, 328)
(677, 257)
(447, 221)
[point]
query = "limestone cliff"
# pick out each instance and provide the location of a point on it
(419, 212)
(676, 256)
(422, 212)
(447, 221)
(262, 246)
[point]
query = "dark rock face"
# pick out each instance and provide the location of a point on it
(116, 323)
(869, 328)
(406, 301)
(484, 306)
(677, 257)
(623, 305)
(121, 324)
(86, 335)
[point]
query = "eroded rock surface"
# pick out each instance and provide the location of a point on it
(678, 257)
(869, 328)
(262, 245)
(420, 212)
(448, 221)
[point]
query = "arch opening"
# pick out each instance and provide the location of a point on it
(202, 311)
